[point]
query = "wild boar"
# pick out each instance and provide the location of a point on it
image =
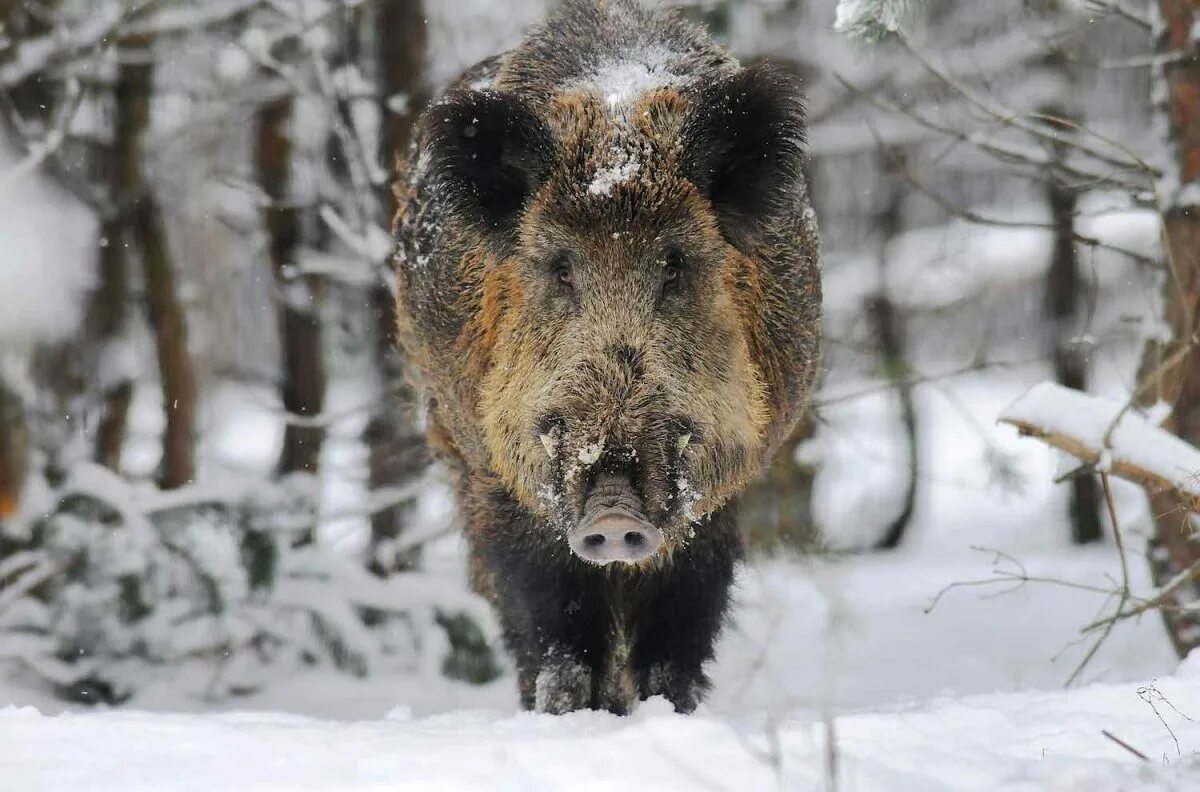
(608, 286)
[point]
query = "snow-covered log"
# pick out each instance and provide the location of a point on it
(1104, 433)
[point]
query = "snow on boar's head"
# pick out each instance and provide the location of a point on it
(638, 295)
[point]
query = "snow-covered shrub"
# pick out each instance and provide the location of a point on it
(114, 581)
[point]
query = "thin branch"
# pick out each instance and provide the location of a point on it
(63, 44)
(1038, 162)
(975, 218)
(1119, 9)
(1159, 600)
(1017, 121)
(1125, 745)
(1124, 591)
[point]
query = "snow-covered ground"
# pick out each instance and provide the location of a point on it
(997, 742)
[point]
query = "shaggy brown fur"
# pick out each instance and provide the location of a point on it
(607, 261)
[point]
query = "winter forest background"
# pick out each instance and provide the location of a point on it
(213, 492)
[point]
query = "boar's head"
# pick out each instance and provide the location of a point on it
(629, 268)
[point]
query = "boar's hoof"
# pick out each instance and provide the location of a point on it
(563, 685)
(613, 528)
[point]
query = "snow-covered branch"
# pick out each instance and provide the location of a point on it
(1104, 434)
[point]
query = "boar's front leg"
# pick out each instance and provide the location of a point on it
(554, 623)
(682, 613)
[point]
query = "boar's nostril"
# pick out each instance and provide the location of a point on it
(593, 540)
(635, 539)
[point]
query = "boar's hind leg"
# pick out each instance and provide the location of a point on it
(682, 615)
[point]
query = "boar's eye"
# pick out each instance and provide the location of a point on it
(673, 261)
(560, 269)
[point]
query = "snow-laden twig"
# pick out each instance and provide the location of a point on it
(43, 570)
(191, 18)
(36, 55)
(872, 20)
(38, 151)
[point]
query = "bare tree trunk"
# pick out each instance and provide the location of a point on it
(167, 314)
(14, 451)
(302, 379)
(403, 51)
(1065, 298)
(1175, 548)
(169, 322)
(108, 310)
(887, 324)
(889, 339)
(396, 450)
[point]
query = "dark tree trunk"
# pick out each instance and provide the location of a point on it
(396, 451)
(169, 321)
(142, 221)
(14, 451)
(1174, 548)
(302, 376)
(403, 50)
(887, 325)
(108, 310)
(1065, 305)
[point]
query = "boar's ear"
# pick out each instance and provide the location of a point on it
(743, 145)
(487, 152)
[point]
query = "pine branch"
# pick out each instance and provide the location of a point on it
(870, 21)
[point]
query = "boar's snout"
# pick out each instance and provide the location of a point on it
(614, 527)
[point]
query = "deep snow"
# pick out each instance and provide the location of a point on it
(999, 742)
